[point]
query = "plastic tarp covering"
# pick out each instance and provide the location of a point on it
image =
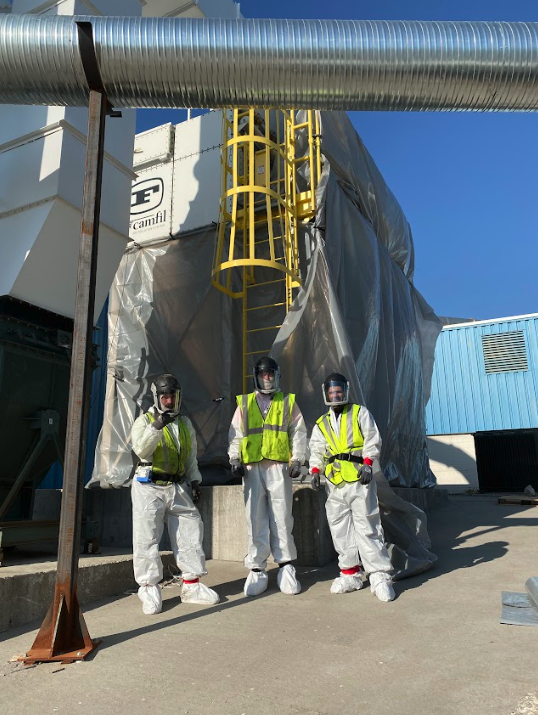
(358, 312)
(521, 609)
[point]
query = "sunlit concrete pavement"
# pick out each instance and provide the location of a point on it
(439, 648)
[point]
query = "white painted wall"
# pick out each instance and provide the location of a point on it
(453, 461)
(42, 167)
(42, 156)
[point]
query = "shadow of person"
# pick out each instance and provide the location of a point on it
(454, 559)
(109, 641)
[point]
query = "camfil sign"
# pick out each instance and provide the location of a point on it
(150, 207)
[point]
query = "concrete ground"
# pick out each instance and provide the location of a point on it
(439, 648)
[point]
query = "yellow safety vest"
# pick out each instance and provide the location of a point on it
(349, 441)
(168, 462)
(265, 439)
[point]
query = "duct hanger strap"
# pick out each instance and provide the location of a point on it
(88, 56)
(310, 64)
(90, 64)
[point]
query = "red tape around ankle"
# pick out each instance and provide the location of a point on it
(350, 572)
(194, 580)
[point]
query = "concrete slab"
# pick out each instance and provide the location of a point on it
(438, 648)
(27, 584)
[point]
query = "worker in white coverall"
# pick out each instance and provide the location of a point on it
(165, 486)
(267, 448)
(344, 444)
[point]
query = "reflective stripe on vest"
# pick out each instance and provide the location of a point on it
(265, 439)
(166, 458)
(349, 441)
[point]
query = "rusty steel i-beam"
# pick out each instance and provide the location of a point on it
(63, 636)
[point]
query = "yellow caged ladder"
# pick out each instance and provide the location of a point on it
(271, 165)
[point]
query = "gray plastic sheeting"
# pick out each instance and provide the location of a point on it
(521, 609)
(357, 313)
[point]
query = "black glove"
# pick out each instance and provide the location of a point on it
(295, 469)
(315, 482)
(163, 419)
(366, 474)
(195, 491)
(238, 470)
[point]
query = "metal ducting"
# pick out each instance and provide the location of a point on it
(310, 64)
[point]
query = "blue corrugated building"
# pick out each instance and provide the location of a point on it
(482, 417)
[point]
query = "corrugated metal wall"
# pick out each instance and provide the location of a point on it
(465, 399)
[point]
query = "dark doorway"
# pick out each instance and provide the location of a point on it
(507, 461)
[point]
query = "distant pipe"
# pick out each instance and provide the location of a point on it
(307, 64)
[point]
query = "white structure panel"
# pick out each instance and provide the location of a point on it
(17, 121)
(42, 158)
(17, 235)
(197, 173)
(191, 8)
(29, 173)
(116, 185)
(154, 146)
(453, 461)
(56, 247)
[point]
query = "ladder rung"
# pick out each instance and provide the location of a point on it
(266, 283)
(270, 305)
(259, 352)
(259, 330)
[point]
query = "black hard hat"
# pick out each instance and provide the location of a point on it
(166, 383)
(263, 364)
(335, 377)
(266, 363)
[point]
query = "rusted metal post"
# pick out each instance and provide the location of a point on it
(63, 635)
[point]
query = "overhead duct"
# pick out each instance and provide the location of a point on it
(310, 64)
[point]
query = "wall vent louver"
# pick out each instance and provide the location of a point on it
(505, 352)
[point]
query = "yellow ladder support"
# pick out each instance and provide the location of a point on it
(261, 209)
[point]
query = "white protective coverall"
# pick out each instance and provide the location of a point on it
(268, 491)
(352, 508)
(153, 504)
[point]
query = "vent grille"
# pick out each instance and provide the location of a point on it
(505, 352)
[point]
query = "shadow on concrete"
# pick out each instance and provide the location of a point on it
(308, 578)
(451, 529)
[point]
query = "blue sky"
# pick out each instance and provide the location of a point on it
(468, 183)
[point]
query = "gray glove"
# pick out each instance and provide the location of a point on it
(163, 419)
(315, 482)
(295, 469)
(238, 470)
(366, 474)
(195, 491)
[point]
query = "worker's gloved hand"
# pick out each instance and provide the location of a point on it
(315, 482)
(295, 469)
(195, 491)
(366, 474)
(163, 419)
(238, 470)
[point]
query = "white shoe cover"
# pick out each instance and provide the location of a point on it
(287, 580)
(256, 583)
(151, 597)
(199, 593)
(381, 586)
(345, 583)
(385, 592)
